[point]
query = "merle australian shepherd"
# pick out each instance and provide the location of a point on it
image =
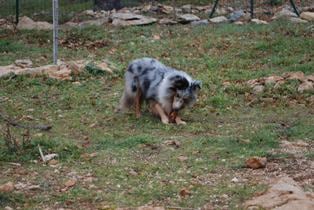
(166, 89)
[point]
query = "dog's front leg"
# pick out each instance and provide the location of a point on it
(179, 121)
(161, 113)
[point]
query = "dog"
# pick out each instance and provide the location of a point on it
(167, 90)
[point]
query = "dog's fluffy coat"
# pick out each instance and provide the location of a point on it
(150, 80)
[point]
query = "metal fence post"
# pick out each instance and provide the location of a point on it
(17, 11)
(252, 8)
(294, 8)
(214, 9)
(55, 14)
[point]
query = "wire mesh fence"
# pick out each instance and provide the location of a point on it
(42, 9)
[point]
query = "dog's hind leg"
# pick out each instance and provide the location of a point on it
(138, 102)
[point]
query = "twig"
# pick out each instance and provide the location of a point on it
(19, 125)
(41, 154)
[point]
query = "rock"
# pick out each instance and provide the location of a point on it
(26, 23)
(236, 15)
(219, 19)
(310, 78)
(284, 193)
(272, 80)
(284, 13)
(89, 12)
(258, 89)
(53, 162)
(187, 18)
(306, 86)
(62, 71)
(299, 75)
(5, 24)
(7, 187)
(297, 20)
(238, 23)
(164, 9)
(307, 16)
(256, 162)
(130, 19)
(167, 21)
(187, 8)
(26, 63)
(221, 11)
(8, 208)
(257, 21)
(235, 180)
(200, 22)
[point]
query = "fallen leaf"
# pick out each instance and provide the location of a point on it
(174, 143)
(53, 162)
(156, 37)
(184, 192)
(256, 162)
(68, 184)
(182, 158)
(7, 187)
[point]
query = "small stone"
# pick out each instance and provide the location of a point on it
(221, 11)
(236, 15)
(284, 13)
(187, 18)
(307, 16)
(219, 19)
(238, 23)
(200, 23)
(167, 21)
(258, 89)
(306, 86)
(272, 80)
(299, 75)
(187, 8)
(26, 63)
(257, 21)
(53, 162)
(297, 20)
(8, 208)
(235, 180)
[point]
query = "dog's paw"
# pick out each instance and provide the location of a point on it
(181, 123)
(165, 121)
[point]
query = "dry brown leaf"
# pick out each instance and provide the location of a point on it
(68, 184)
(174, 143)
(7, 187)
(156, 37)
(182, 158)
(184, 192)
(256, 162)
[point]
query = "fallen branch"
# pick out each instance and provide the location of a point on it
(20, 125)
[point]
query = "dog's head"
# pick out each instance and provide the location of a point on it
(186, 93)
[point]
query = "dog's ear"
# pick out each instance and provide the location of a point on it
(179, 82)
(196, 85)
